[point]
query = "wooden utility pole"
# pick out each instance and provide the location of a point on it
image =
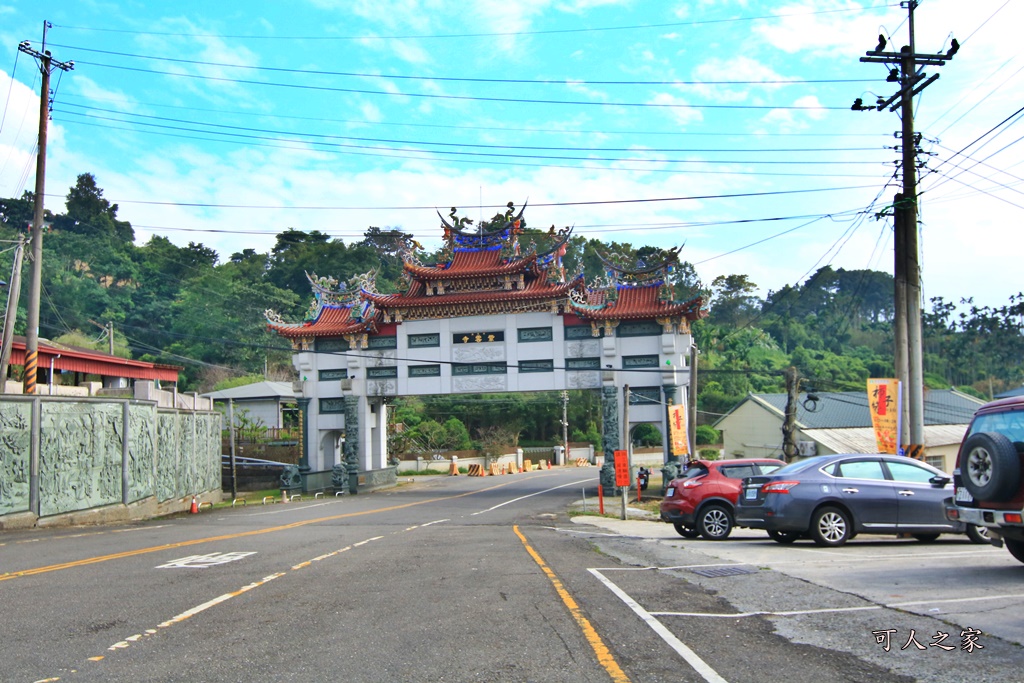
(46, 66)
(13, 294)
(110, 336)
(907, 273)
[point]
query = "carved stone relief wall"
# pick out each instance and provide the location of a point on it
(79, 456)
(171, 454)
(479, 384)
(475, 354)
(14, 435)
(141, 452)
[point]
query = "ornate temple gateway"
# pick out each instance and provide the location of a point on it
(491, 316)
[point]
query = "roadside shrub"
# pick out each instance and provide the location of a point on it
(706, 434)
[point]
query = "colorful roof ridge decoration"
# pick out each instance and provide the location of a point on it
(484, 271)
(337, 309)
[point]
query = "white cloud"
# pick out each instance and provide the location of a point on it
(676, 106)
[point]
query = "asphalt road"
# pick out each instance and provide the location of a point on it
(488, 579)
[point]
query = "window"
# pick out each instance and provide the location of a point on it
(385, 372)
(629, 362)
(330, 406)
(738, 471)
(639, 328)
(764, 468)
(582, 363)
(581, 332)
(424, 370)
(535, 334)
(644, 395)
(479, 369)
(419, 341)
(909, 472)
(329, 375)
(382, 342)
(536, 366)
(861, 469)
(330, 345)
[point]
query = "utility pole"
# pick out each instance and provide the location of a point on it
(565, 429)
(692, 397)
(46, 66)
(13, 294)
(110, 336)
(907, 274)
(789, 449)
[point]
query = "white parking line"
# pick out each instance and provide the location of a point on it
(691, 657)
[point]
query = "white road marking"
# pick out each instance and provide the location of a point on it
(691, 657)
(516, 500)
(205, 561)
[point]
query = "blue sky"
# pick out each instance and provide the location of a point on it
(722, 125)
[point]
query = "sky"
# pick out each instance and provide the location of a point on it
(723, 126)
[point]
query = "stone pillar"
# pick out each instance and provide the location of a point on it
(352, 442)
(609, 436)
(303, 435)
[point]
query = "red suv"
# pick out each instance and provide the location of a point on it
(700, 501)
(988, 480)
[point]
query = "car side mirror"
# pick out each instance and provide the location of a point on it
(939, 481)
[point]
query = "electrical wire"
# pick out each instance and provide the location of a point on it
(457, 36)
(473, 98)
(568, 82)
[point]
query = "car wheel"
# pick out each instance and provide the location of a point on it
(830, 526)
(926, 538)
(990, 467)
(977, 533)
(1015, 547)
(784, 537)
(685, 531)
(714, 523)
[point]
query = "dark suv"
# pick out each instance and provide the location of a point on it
(701, 500)
(988, 481)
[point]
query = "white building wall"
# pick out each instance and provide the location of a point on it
(347, 373)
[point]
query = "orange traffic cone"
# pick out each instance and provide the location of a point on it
(195, 507)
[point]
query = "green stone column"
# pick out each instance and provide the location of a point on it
(304, 436)
(352, 442)
(609, 437)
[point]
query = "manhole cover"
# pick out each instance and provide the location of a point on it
(723, 571)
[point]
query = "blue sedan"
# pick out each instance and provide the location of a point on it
(832, 498)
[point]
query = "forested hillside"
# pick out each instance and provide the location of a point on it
(190, 306)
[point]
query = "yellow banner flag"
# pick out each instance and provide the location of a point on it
(677, 430)
(884, 403)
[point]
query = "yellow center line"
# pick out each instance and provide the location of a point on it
(210, 539)
(604, 655)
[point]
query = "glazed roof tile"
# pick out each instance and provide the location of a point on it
(636, 302)
(473, 263)
(333, 321)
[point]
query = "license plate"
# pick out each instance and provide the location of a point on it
(963, 496)
(751, 493)
(670, 493)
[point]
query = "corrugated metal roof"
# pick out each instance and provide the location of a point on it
(846, 409)
(254, 391)
(862, 439)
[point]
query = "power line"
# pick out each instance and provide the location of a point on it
(568, 82)
(305, 147)
(474, 98)
(450, 36)
(576, 148)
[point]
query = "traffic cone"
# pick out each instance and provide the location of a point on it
(195, 506)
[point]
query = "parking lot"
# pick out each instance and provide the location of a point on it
(919, 609)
